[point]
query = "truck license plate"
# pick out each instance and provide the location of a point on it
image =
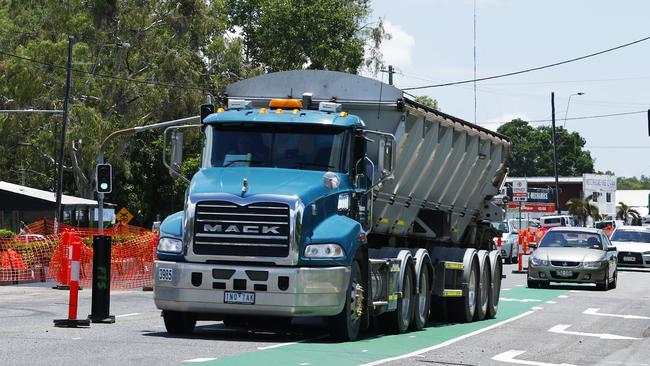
(564, 273)
(629, 259)
(236, 297)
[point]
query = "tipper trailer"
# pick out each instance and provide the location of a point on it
(327, 194)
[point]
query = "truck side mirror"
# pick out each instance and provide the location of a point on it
(360, 181)
(175, 156)
(386, 156)
(177, 150)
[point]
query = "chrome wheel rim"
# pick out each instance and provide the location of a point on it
(471, 289)
(422, 298)
(406, 299)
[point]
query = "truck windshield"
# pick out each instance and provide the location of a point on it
(280, 146)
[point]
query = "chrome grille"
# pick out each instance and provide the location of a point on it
(259, 229)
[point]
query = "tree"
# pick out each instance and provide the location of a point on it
(427, 101)
(531, 152)
(625, 212)
(294, 34)
(582, 208)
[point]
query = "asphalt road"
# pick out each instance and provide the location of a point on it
(534, 326)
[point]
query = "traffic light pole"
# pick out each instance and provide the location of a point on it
(129, 131)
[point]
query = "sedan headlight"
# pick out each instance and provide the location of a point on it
(170, 245)
(324, 251)
(538, 262)
(595, 264)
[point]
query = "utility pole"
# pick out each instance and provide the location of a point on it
(557, 186)
(59, 183)
(390, 74)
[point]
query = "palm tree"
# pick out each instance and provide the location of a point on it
(624, 212)
(582, 208)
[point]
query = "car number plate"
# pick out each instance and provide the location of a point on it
(236, 297)
(629, 259)
(564, 273)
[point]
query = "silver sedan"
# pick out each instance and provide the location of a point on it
(574, 254)
(633, 243)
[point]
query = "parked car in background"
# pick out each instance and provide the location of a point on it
(557, 220)
(633, 244)
(574, 254)
(510, 237)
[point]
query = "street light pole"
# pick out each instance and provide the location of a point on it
(557, 186)
(566, 112)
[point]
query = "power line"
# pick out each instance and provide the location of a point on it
(617, 147)
(572, 118)
(530, 69)
(105, 76)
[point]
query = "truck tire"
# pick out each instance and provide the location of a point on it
(483, 291)
(398, 321)
(463, 308)
(346, 325)
(495, 291)
(422, 301)
(177, 322)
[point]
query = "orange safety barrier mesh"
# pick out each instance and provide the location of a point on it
(32, 256)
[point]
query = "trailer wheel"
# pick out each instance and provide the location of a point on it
(422, 301)
(398, 321)
(464, 307)
(493, 302)
(177, 322)
(346, 325)
(483, 291)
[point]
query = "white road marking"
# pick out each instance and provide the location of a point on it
(519, 285)
(562, 296)
(562, 329)
(76, 338)
(510, 358)
(519, 300)
(126, 315)
(537, 308)
(305, 364)
(449, 342)
(574, 291)
(594, 311)
(290, 343)
(196, 360)
(506, 289)
(551, 302)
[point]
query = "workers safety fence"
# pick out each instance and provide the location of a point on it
(35, 255)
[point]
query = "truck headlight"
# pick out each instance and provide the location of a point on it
(324, 251)
(538, 262)
(595, 264)
(170, 245)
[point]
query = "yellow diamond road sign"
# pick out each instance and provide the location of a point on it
(124, 216)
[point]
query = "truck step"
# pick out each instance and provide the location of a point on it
(452, 293)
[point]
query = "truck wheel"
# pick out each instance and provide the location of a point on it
(177, 322)
(483, 291)
(493, 301)
(422, 301)
(464, 307)
(346, 325)
(398, 321)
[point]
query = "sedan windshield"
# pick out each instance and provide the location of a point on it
(631, 235)
(571, 239)
(280, 146)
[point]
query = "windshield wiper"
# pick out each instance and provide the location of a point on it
(306, 163)
(243, 161)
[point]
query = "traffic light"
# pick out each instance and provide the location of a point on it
(104, 178)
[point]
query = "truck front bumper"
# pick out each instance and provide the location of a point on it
(279, 291)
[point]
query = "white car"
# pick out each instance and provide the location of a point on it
(633, 244)
(510, 238)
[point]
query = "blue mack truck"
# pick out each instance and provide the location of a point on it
(325, 194)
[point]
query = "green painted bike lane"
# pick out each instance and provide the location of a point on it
(515, 302)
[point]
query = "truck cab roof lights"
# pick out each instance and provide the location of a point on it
(330, 107)
(279, 111)
(286, 103)
(239, 104)
(220, 110)
(262, 110)
(343, 114)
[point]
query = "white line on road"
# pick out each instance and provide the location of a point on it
(562, 329)
(519, 285)
(551, 302)
(197, 360)
(510, 358)
(594, 311)
(290, 343)
(519, 300)
(506, 289)
(449, 342)
(126, 315)
(537, 308)
(562, 296)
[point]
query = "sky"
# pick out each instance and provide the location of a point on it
(433, 42)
